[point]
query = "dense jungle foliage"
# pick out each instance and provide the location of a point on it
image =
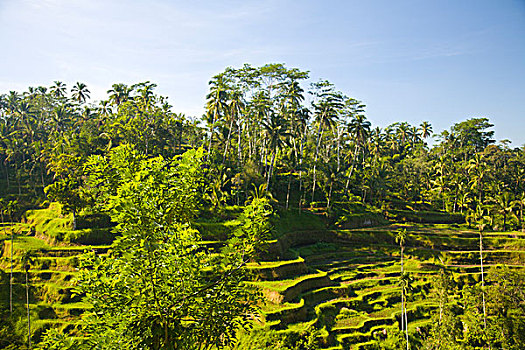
(270, 146)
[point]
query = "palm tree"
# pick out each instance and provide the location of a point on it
(477, 168)
(58, 90)
(145, 91)
(27, 260)
(405, 282)
(216, 104)
(118, 94)
(425, 129)
(404, 132)
(505, 205)
(235, 107)
(10, 208)
(326, 113)
(104, 109)
(482, 220)
(3, 208)
(277, 132)
(359, 128)
(401, 238)
(80, 92)
(520, 201)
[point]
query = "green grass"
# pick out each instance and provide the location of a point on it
(282, 285)
(290, 221)
(272, 264)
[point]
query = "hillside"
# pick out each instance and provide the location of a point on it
(339, 286)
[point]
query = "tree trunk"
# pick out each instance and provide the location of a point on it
(239, 154)
(402, 310)
(319, 136)
(482, 278)
(28, 316)
(18, 182)
(402, 292)
(11, 276)
(271, 170)
(301, 150)
(74, 220)
(211, 136)
(288, 190)
(351, 168)
(521, 217)
(227, 142)
(7, 176)
(406, 321)
(329, 196)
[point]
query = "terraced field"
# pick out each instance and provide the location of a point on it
(349, 288)
(52, 301)
(341, 283)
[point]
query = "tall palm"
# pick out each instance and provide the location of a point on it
(504, 205)
(401, 236)
(415, 136)
(477, 169)
(80, 92)
(58, 90)
(27, 260)
(216, 104)
(482, 221)
(234, 109)
(3, 209)
(520, 202)
(145, 91)
(118, 94)
(277, 133)
(292, 97)
(405, 282)
(425, 129)
(10, 208)
(61, 118)
(326, 112)
(404, 133)
(359, 128)
(104, 108)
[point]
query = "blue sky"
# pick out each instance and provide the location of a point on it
(435, 60)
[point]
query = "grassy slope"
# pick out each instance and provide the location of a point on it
(361, 267)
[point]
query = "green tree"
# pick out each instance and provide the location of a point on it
(157, 289)
(359, 129)
(506, 307)
(504, 206)
(326, 112)
(277, 132)
(80, 92)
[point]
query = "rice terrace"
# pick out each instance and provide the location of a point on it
(156, 192)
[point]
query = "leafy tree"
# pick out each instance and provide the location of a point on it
(504, 205)
(446, 330)
(157, 289)
(506, 307)
(67, 188)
